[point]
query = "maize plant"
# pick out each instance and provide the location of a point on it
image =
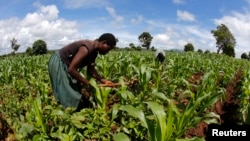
(166, 102)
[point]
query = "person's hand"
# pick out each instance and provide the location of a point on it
(104, 81)
(107, 83)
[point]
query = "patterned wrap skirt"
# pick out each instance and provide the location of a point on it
(66, 90)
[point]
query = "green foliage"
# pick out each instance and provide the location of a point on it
(101, 94)
(39, 47)
(29, 51)
(244, 56)
(121, 137)
(225, 40)
(189, 47)
(244, 97)
(228, 49)
(145, 38)
(14, 45)
(162, 104)
(199, 51)
(132, 45)
(206, 52)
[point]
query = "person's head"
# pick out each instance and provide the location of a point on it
(160, 56)
(107, 41)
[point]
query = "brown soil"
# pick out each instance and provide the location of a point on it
(5, 129)
(227, 109)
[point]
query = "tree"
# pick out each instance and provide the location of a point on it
(14, 45)
(29, 51)
(132, 45)
(145, 38)
(225, 40)
(39, 47)
(189, 47)
(244, 56)
(228, 50)
(206, 52)
(153, 48)
(199, 51)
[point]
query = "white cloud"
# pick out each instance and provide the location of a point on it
(174, 36)
(185, 16)
(178, 1)
(117, 19)
(43, 24)
(125, 38)
(137, 20)
(44, 13)
(161, 40)
(199, 32)
(239, 25)
(46, 24)
(84, 3)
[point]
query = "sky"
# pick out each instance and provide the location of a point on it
(171, 23)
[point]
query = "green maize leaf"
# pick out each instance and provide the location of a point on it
(159, 94)
(210, 101)
(122, 82)
(248, 115)
(104, 95)
(211, 117)
(160, 115)
(189, 113)
(38, 138)
(48, 107)
(77, 121)
(126, 96)
(101, 94)
(135, 112)
(61, 136)
(26, 129)
(136, 69)
(126, 130)
(97, 95)
(186, 93)
(114, 112)
(39, 116)
(151, 130)
(58, 113)
(170, 120)
(120, 137)
(148, 75)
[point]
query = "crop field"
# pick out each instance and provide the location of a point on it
(176, 100)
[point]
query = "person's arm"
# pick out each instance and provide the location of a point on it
(74, 65)
(92, 71)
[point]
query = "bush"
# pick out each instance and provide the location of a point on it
(29, 51)
(189, 47)
(244, 56)
(39, 47)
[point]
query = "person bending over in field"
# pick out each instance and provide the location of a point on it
(64, 67)
(160, 55)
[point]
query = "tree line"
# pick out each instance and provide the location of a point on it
(225, 43)
(39, 47)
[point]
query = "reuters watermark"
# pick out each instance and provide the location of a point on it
(241, 132)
